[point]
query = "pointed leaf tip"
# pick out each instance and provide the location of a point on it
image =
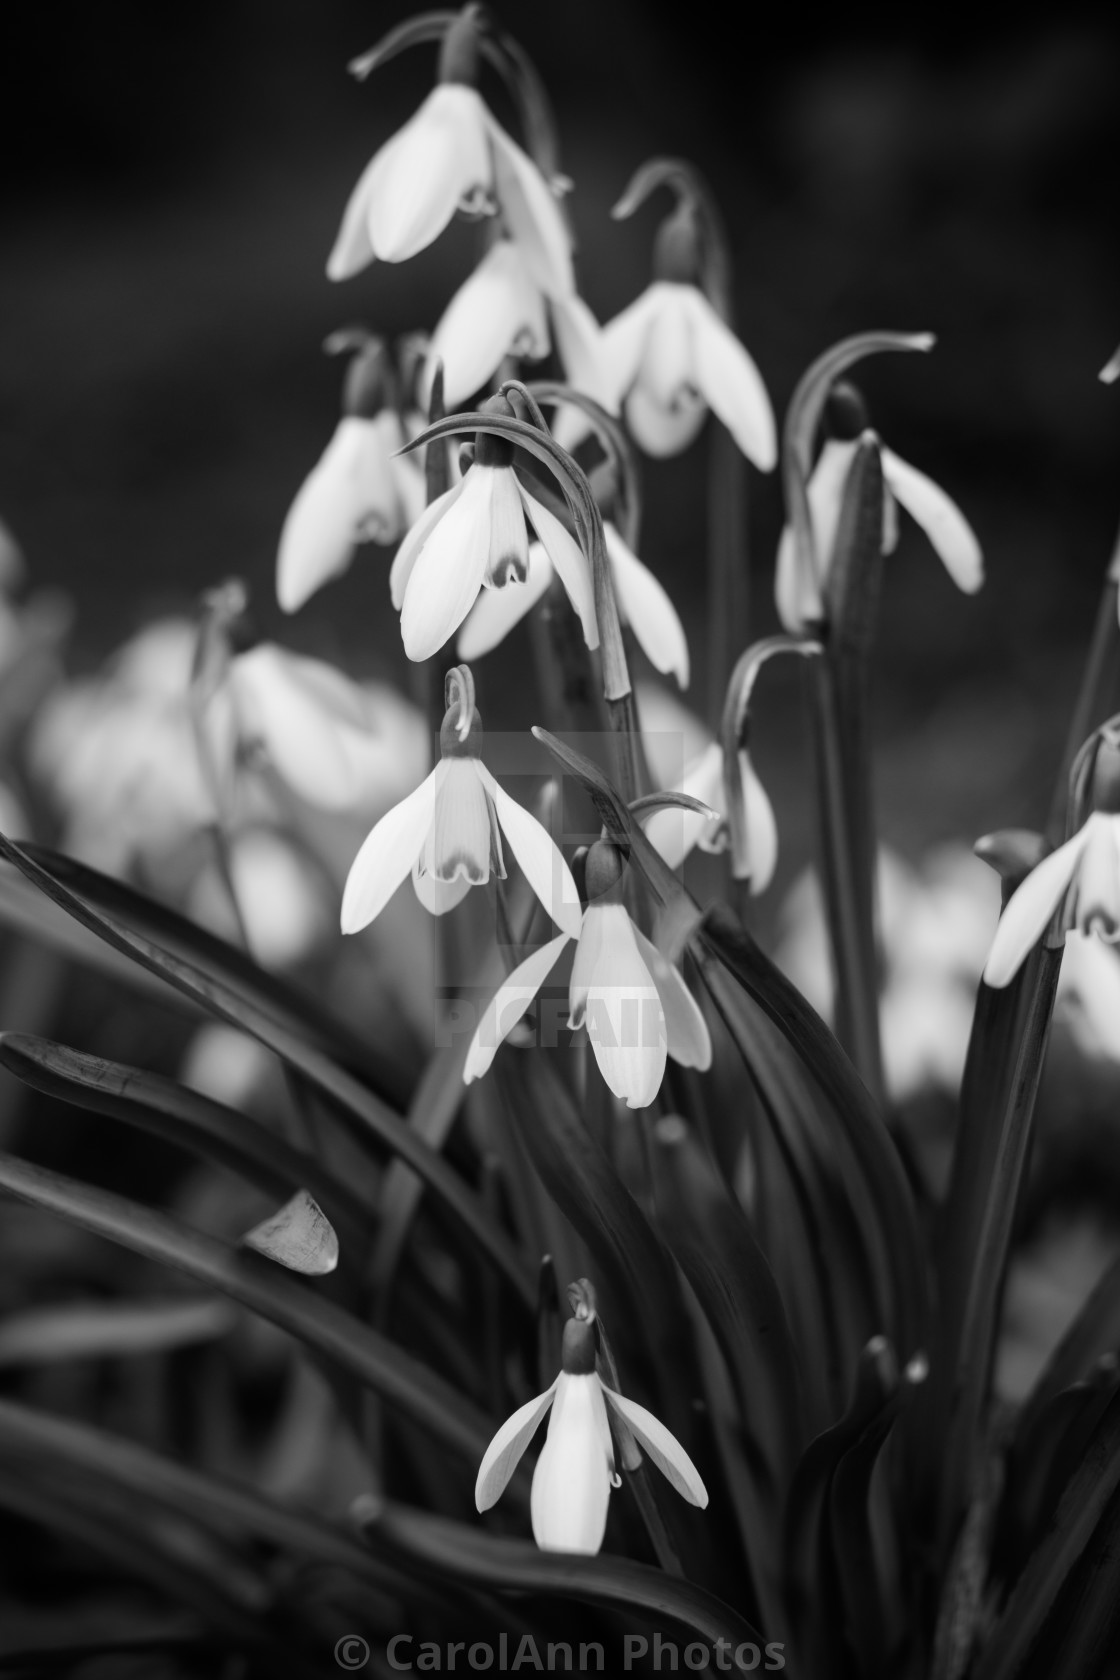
(299, 1236)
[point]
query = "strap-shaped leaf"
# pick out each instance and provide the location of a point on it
(469, 1554)
(110, 1329)
(1094, 1333)
(399, 1378)
(224, 998)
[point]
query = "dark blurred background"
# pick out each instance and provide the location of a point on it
(173, 179)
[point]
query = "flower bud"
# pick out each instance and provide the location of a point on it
(578, 1349)
(603, 868)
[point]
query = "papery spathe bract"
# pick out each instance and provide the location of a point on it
(949, 533)
(669, 358)
(576, 1468)
(452, 155)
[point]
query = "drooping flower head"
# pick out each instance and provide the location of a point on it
(576, 1471)
(475, 536)
(449, 834)
(453, 155)
(361, 489)
(949, 532)
(1075, 887)
(669, 358)
(633, 1002)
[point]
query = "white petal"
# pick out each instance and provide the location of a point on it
(623, 344)
(540, 858)
(648, 610)
(1030, 908)
(498, 308)
(688, 1040)
(1096, 903)
(419, 177)
(509, 536)
(762, 830)
(731, 383)
(349, 496)
(662, 1447)
(438, 897)
(508, 1005)
(624, 1018)
(448, 571)
(405, 558)
(570, 562)
(387, 854)
(352, 249)
(496, 611)
(460, 842)
(505, 1451)
(940, 518)
(572, 1480)
(531, 214)
(675, 832)
(583, 967)
(664, 431)
(309, 719)
(796, 601)
(668, 367)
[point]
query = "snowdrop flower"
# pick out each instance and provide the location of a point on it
(669, 358)
(576, 1469)
(642, 603)
(359, 491)
(448, 833)
(452, 155)
(684, 758)
(633, 1002)
(499, 311)
(475, 536)
(950, 534)
(1080, 883)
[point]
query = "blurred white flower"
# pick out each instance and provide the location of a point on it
(282, 900)
(642, 604)
(633, 1002)
(575, 1471)
(475, 536)
(1085, 874)
(359, 491)
(668, 358)
(950, 534)
(499, 311)
(452, 155)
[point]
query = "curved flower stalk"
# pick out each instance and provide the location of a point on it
(669, 356)
(576, 1471)
(633, 1002)
(452, 155)
(949, 533)
(360, 490)
(448, 833)
(1078, 885)
(476, 535)
(642, 604)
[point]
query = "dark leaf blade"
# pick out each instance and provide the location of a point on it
(371, 1117)
(180, 1116)
(1094, 1333)
(470, 1554)
(110, 1329)
(399, 1378)
(209, 955)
